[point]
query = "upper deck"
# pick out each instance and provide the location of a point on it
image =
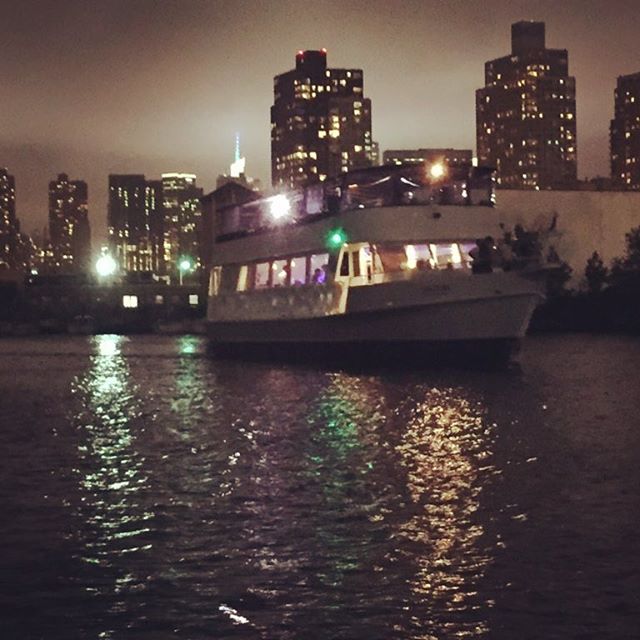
(383, 204)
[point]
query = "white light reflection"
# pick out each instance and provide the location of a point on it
(444, 451)
(110, 470)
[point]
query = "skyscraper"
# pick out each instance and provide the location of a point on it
(182, 212)
(69, 224)
(8, 222)
(320, 122)
(135, 219)
(526, 114)
(625, 133)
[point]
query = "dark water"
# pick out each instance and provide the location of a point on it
(150, 491)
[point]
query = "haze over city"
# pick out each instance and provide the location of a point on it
(99, 87)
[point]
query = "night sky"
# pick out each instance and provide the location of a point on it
(90, 87)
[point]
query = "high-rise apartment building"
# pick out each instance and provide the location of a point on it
(526, 114)
(69, 230)
(8, 222)
(135, 222)
(320, 122)
(182, 213)
(625, 133)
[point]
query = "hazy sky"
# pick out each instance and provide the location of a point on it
(90, 87)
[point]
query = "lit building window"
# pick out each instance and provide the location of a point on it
(193, 299)
(130, 302)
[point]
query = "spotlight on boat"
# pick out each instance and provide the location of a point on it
(437, 170)
(279, 207)
(106, 266)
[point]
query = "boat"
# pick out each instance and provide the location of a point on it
(380, 262)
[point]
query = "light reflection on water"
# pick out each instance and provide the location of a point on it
(173, 495)
(111, 472)
(445, 449)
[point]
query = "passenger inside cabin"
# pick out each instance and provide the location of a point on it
(318, 276)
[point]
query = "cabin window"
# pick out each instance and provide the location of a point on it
(394, 258)
(447, 255)
(298, 271)
(262, 275)
(318, 267)
(243, 278)
(130, 302)
(280, 270)
(419, 256)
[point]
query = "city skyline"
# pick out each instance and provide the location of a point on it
(172, 97)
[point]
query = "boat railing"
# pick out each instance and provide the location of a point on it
(387, 186)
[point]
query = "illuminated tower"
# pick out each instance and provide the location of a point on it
(526, 114)
(625, 133)
(69, 224)
(8, 222)
(320, 122)
(182, 212)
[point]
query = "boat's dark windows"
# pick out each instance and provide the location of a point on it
(229, 280)
(262, 275)
(298, 271)
(318, 267)
(394, 258)
(355, 256)
(344, 265)
(280, 276)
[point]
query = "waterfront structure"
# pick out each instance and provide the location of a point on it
(320, 122)
(625, 133)
(135, 222)
(182, 213)
(69, 230)
(526, 114)
(446, 157)
(8, 221)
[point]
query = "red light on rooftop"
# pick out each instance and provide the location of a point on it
(324, 51)
(301, 52)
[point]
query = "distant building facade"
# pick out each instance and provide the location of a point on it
(8, 222)
(625, 133)
(448, 157)
(526, 114)
(135, 222)
(320, 122)
(182, 214)
(69, 231)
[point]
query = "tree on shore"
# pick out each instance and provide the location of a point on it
(595, 273)
(625, 271)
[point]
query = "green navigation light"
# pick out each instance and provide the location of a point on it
(336, 238)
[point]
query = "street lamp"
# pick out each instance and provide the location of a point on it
(184, 266)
